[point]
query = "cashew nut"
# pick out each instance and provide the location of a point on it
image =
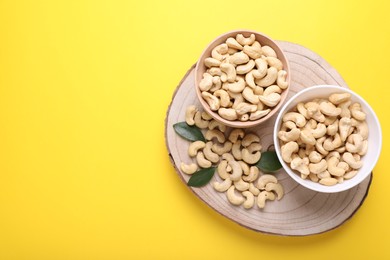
(210, 134)
(356, 111)
(245, 41)
(307, 137)
(238, 98)
(228, 157)
(272, 89)
(333, 168)
(274, 62)
(222, 186)
(327, 108)
(250, 80)
(354, 143)
(297, 118)
(206, 116)
(188, 168)
(269, 79)
(323, 175)
(319, 145)
(225, 148)
(300, 165)
(241, 185)
(211, 62)
(229, 70)
(243, 118)
(236, 150)
(199, 122)
(209, 154)
(235, 134)
(212, 100)
(194, 147)
(248, 94)
(275, 187)
(288, 149)
(252, 188)
(263, 196)
(218, 51)
(238, 86)
(233, 197)
(190, 114)
(250, 158)
(332, 129)
(244, 167)
(253, 51)
(228, 113)
(206, 83)
(232, 43)
(259, 114)
(263, 180)
(344, 128)
(350, 175)
(217, 84)
(214, 71)
(236, 170)
(291, 135)
(364, 149)
(319, 131)
(339, 98)
(253, 174)
(250, 199)
(354, 164)
(302, 110)
(239, 58)
(215, 124)
(223, 97)
(249, 139)
(328, 181)
(271, 100)
(318, 167)
(244, 108)
(268, 51)
(202, 161)
(361, 128)
(315, 157)
(245, 68)
(281, 80)
(345, 112)
(222, 170)
(262, 66)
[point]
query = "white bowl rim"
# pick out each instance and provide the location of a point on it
(316, 186)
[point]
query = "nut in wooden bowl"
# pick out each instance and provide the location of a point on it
(242, 78)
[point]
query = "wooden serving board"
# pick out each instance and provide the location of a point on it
(301, 211)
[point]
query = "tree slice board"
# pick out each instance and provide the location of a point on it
(301, 211)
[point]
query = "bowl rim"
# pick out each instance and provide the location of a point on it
(323, 188)
(237, 123)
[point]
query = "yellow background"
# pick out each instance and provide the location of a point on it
(84, 88)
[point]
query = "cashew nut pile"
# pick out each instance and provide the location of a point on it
(244, 80)
(325, 139)
(235, 152)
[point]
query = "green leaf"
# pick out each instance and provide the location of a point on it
(201, 177)
(191, 133)
(269, 162)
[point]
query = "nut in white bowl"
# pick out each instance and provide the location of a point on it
(374, 139)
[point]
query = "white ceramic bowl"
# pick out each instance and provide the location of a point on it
(374, 138)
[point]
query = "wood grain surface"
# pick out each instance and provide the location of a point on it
(301, 211)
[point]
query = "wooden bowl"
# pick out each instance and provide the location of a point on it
(201, 68)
